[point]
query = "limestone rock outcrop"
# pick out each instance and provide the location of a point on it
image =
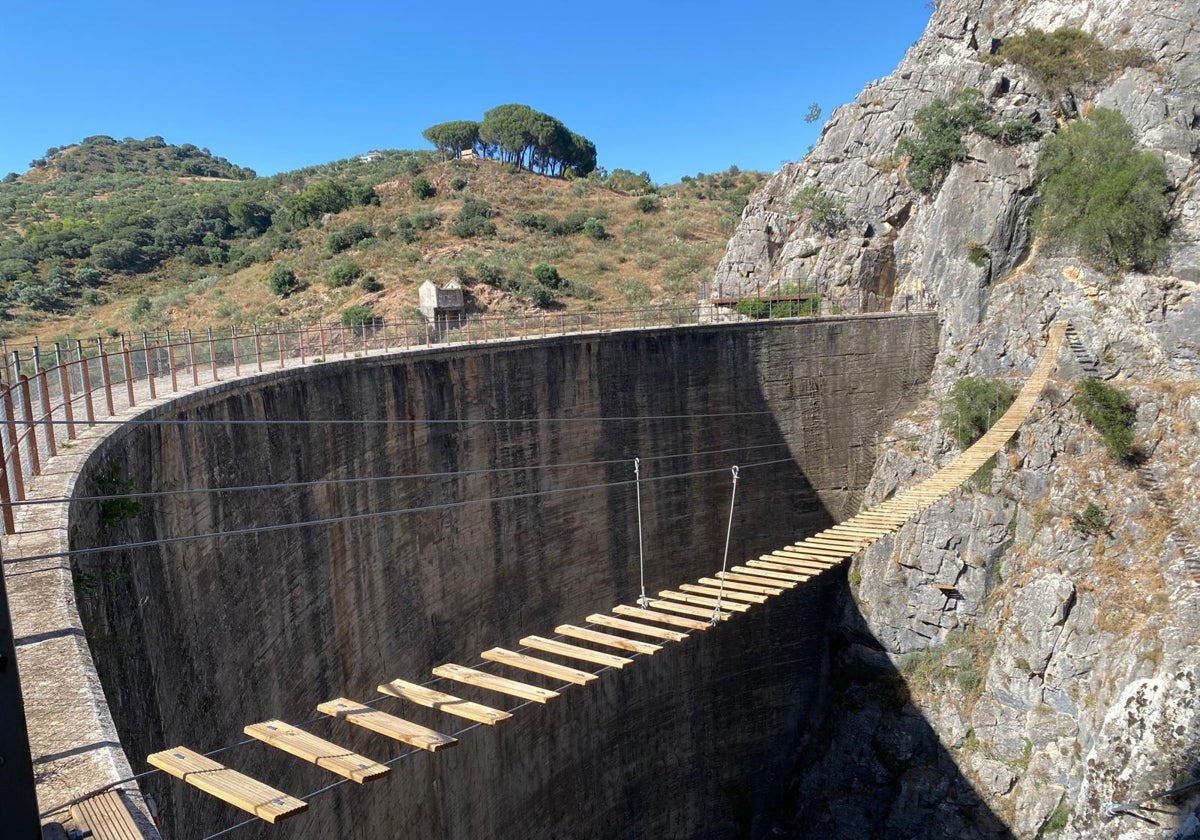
(1054, 664)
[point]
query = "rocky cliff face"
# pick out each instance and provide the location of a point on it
(1054, 667)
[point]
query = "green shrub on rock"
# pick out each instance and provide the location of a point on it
(1100, 194)
(1110, 411)
(975, 404)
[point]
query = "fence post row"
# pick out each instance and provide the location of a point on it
(13, 380)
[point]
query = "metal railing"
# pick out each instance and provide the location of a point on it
(48, 392)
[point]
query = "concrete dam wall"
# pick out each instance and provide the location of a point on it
(196, 638)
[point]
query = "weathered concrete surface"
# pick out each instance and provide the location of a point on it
(195, 639)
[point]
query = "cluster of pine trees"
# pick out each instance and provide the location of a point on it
(519, 135)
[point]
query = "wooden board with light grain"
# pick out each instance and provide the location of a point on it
(390, 726)
(228, 785)
(443, 702)
(318, 751)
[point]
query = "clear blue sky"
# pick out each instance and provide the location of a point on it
(673, 89)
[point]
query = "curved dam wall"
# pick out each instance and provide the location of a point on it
(196, 638)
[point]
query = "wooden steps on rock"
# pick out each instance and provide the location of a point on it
(228, 785)
(390, 726)
(318, 751)
(442, 702)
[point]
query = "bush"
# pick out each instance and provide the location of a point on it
(941, 126)
(282, 280)
(422, 189)
(424, 220)
(648, 204)
(1090, 522)
(473, 220)
(1110, 412)
(370, 284)
(978, 254)
(458, 183)
(491, 275)
(594, 229)
(1066, 59)
(828, 214)
(975, 404)
(344, 274)
(548, 276)
(1102, 195)
(541, 296)
(353, 316)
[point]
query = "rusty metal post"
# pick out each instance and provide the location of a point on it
(279, 344)
(342, 336)
(212, 355)
(86, 376)
(35, 463)
(149, 365)
(14, 448)
(127, 356)
(5, 499)
(258, 347)
(191, 343)
(106, 375)
(44, 394)
(64, 375)
(321, 327)
(237, 362)
(300, 338)
(171, 364)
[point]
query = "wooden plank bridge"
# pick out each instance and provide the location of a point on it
(671, 617)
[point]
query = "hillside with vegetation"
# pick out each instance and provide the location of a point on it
(108, 237)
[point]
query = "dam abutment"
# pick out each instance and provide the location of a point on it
(524, 519)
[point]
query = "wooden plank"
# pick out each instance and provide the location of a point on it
(390, 726)
(730, 583)
(602, 620)
(770, 573)
(798, 560)
(442, 702)
(661, 618)
(788, 568)
(107, 816)
(238, 789)
(318, 751)
(723, 592)
(686, 609)
(538, 666)
(700, 600)
(756, 580)
(607, 639)
(470, 676)
(807, 547)
(576, 652)
(836, 542)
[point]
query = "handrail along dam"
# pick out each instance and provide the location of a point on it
(196, 638)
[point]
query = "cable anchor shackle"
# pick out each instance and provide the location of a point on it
(643, 600)
(716, 616)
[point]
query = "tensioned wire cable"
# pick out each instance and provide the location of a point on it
(395, 421)
(193, 491)
(359, 517)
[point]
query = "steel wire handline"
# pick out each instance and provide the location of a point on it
(359, 517)
(325, 482)
(716, 617)
(401, 421)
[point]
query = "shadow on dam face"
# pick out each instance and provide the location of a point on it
(195, 639)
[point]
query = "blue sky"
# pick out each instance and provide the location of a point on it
(673, 89)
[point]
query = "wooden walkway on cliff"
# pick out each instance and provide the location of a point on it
(615, 638)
